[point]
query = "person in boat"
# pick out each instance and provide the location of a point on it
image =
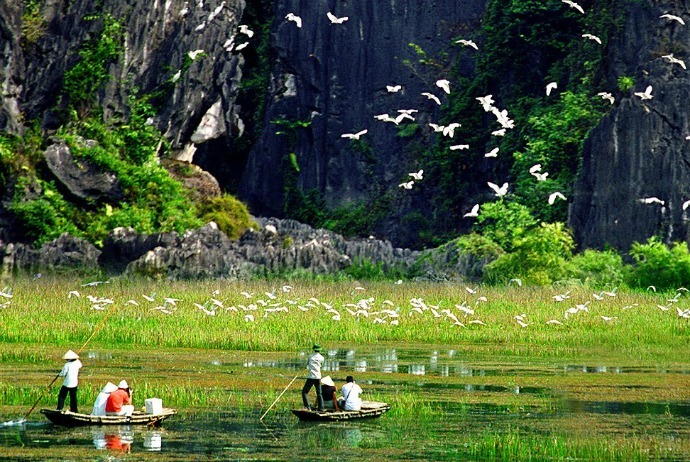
(102, 399)
(120, 401)
(351, 391)
(314, 363)
(70, 372)
(328, 392)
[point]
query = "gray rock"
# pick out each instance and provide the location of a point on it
(639, 149)
(81, 178)
(335, 77)
(65, 254)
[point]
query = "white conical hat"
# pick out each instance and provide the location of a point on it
(328, 381)
(109, 388)
(70, 355)
(123, 384)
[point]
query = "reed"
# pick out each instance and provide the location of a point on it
(269, 319)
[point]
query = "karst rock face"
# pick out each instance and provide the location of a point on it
(158, 39)
(333, 78)
(329, 79)
(639, 149)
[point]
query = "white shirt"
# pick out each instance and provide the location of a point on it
(351, 392)
(70, 372)
(314, 365)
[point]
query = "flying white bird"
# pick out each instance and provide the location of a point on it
(592, 37)
(647, 94)
(674, 60)
(200, 27)
(550, 87)
(535, 168)
(672, 17)
(686, 204)
(393, 88)
(417, 175)
(500, 132)
(216, 12)
(449, 130)
(651, 200)
(572, 4)
(354, 136)
(554, 196)
(194, 54)
(241, 46)
(336, 20)
(500, 191)
(439, 128)
(407, 185)
(492, 153)
(474, 212)
(467, 43)
(540, 176)
(607, 96)
(486, 102)
(244, 29)
(459, 147)
(294, 18)
(444, 84)
(184, 10)
(432, 97)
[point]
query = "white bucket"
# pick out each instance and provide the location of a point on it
(154, 406)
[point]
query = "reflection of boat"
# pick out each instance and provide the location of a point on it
(370, 409)
(73, 419)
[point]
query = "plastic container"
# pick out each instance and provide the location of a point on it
(154, 406)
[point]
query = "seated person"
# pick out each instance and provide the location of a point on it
(328, 393)
(102, 399)
(351, 391)
(120, 401)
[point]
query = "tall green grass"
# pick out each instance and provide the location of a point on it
(41, 313)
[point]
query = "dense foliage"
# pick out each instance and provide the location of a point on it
(127, 147)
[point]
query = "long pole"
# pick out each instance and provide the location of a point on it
(274, 402)
(98, 327)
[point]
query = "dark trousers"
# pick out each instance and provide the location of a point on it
(72, 398)
(316, 383)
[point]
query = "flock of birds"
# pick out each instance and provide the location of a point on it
(265, 305)
(442, 89)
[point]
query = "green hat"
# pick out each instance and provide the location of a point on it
(316, 347)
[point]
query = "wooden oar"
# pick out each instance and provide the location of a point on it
(274, 402)
(78, 351)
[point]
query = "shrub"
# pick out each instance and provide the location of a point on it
(540, 257)
(599, 268)
(504, 222)
(231, 215)
(659, 265)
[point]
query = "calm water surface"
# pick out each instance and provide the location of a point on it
(465, 400)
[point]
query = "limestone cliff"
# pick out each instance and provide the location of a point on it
(639, 151)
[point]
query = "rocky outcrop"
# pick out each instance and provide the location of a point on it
(82, 179)
(159, 36)
(639, 150)
(64, 254)
(333, 79)
(277, 247)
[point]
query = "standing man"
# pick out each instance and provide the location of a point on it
(314, 363)
(70, 372)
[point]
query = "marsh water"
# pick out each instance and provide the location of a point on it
(447, 404)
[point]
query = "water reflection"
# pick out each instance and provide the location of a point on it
(441, 363)
(123, 439)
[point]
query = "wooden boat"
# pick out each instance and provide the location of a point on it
(370, 410)
(73, 419)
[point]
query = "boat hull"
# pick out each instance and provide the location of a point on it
(73, 419)
(370, 410)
